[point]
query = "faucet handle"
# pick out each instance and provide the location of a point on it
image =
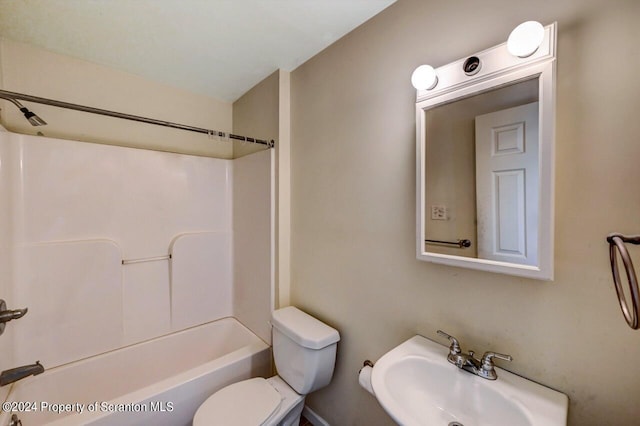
(8, 315)
(488, 356)
(455, 345)
(487, 366)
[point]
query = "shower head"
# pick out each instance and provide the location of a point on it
(32, 117)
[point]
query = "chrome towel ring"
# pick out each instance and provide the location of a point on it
(616, 244)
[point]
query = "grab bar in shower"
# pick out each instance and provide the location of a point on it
(616, 244)
(459, 243)
(145, 259)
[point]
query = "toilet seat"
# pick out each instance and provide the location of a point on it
(248, 403)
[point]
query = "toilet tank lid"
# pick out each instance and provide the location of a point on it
(304, 329)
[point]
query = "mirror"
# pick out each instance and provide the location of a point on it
(485, 147)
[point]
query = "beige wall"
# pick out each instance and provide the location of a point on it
(34, 71)
(353, 205)
(255, 114)
(252, 242)
(265, 111)
(283, 179)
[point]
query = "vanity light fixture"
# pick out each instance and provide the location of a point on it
(424, 78)
(525, 39)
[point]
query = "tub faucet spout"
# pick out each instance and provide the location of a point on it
(15, 374)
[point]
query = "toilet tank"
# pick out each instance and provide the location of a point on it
(304, 349)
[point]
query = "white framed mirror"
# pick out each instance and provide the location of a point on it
(485, 135)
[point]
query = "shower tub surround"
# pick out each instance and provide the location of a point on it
(110, 247)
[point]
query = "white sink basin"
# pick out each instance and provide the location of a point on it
(416, 385)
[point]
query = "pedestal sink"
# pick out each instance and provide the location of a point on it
(416, 385)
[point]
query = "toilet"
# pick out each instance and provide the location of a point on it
(304, 350)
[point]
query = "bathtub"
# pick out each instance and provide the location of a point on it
(159, 382)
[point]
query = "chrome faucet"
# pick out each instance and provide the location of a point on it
(8, 315)
(483, 367)
(15, 374)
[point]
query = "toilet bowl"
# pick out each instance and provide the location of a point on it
(255, 402)
(304, 350)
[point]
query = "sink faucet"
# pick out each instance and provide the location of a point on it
(483, 367)
(15, 374)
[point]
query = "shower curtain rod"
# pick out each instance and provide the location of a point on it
(5, 94)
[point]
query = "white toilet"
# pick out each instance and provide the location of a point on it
(304, 350)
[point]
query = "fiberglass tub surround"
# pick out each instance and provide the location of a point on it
(114, 246)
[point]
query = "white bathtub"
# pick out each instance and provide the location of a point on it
(159, 382)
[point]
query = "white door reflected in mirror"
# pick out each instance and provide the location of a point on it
(507, 184)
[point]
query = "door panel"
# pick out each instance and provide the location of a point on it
(507, 184)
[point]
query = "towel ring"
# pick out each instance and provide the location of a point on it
(616, 244)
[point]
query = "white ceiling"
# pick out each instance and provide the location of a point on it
(220, 48)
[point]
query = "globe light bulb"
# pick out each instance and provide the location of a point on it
(525, 39)
(424, 77)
